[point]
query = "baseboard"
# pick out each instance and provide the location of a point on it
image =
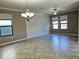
(66, 34)
(20, 40)
(12, 42)
(29, 37)
(73, 34)
(69, 34)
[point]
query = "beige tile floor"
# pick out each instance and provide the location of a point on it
(45, 47)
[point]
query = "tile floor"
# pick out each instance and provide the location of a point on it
(45, 47)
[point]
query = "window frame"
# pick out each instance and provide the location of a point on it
(7, 26)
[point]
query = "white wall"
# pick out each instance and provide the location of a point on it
(37, 26)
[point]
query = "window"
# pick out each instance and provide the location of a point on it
(5, 27)
(60, 22)
(63, 22)
(55, 22)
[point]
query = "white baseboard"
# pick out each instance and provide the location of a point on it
(20, 40)
(12, 42)
(29, 37)
(73, 34)
(68, 34)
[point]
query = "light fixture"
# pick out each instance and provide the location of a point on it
(55, 12)
(28, 15)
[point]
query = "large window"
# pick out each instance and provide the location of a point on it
(5, 27)
(63, 22)
(60, 22)
(55, 22)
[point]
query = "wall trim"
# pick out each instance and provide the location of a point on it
(30, 38)
(19, 40)
(68, 34)
(11, 9)
(34, 36)
(3, 44)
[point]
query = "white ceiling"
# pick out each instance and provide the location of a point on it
(42, 6)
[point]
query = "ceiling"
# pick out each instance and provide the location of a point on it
(39, 6)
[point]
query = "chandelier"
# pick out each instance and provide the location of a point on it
(55, 12)
(28, 15)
